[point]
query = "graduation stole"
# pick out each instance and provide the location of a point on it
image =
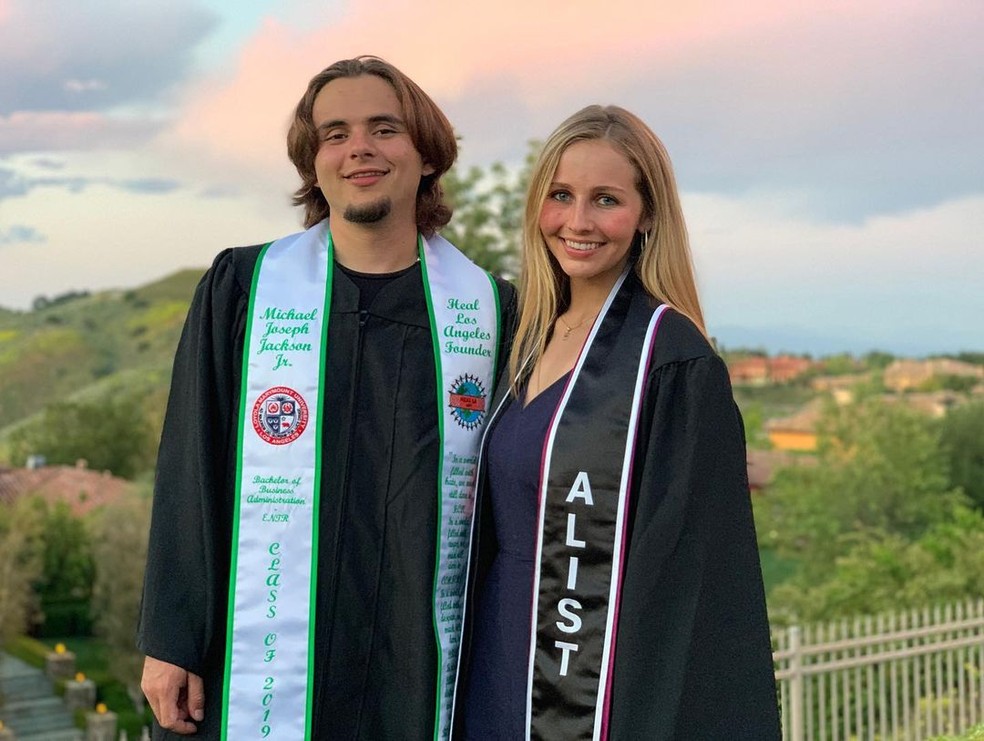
(581, 530)
(273, 571)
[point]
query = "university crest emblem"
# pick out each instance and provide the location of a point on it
(280, 415)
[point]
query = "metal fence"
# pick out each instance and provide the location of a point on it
(901, 676)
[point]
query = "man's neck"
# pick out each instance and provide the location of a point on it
(374, 249)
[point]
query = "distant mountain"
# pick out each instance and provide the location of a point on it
(92, 345)
(797, 340)
(123, 341)
(783, 339)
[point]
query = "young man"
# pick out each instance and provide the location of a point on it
(314, 485)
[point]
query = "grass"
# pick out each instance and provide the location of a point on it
(29, 650)
(972, 734)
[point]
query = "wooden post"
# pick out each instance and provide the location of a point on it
(796, 685)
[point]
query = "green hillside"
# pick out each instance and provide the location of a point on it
(92, 346)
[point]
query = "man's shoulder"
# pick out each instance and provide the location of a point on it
(244, 261)
(507, 294)
(235, 266)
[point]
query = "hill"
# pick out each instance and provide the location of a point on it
(92, 346)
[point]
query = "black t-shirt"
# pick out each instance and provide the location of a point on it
(370, 284)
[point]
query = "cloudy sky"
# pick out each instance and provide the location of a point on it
(831, 154)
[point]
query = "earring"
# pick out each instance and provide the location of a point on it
(645, 237)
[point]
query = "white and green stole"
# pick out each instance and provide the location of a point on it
(273, 571)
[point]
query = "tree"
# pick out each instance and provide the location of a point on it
(21, 559)
(879, 466)
(962, 437)
(120, 551)
(488, 213)
(111, 434)
(40, 303)
(64, 586)
(753, 416)
(974, 358)
(880, 483)
(841, 364)
(949, 382)
(877, 359)
(885, 572)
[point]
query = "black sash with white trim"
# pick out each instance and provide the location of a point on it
(583, 505)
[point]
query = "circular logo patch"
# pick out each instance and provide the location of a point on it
(280, 415)
(467, 401)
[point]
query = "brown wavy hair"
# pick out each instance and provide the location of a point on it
(429, 130)
(663, 264)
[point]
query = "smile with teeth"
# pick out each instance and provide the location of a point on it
(581, 246)
(365, 174)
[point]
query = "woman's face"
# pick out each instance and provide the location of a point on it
(592, 212)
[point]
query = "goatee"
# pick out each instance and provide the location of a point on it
(368, 213)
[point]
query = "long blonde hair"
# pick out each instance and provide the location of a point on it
(664, 264)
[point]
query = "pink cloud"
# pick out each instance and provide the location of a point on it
(541, 46)
(244, 117)
(28, 131)
(764, 65)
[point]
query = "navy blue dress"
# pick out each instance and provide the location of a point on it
(495, 695)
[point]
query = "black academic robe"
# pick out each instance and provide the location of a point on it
(375, 652)
(693, 658)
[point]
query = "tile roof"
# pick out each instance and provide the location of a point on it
(83, 489)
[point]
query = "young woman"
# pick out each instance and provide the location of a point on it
(614, 586)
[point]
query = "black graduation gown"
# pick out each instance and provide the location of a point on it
(693, 659)
(375, 653)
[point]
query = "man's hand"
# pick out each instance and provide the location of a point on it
(175, 695)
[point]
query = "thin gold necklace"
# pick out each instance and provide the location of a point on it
(568, 328)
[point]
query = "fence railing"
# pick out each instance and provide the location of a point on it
(902, 676)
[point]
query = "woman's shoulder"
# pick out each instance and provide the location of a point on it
(684, 361)
(678, 340)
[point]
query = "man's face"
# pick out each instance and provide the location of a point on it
(368, 168)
